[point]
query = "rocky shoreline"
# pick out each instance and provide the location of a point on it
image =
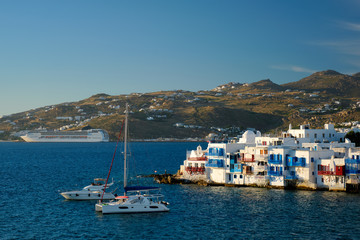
(176, 179)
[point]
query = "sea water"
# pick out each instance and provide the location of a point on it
(33, 174)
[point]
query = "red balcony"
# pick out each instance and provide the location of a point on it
(324, 170)
(326, 173)
(339, 170)
(197, 158)
(191, 170)
(247, 159)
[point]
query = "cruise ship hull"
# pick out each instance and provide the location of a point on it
(94, 135)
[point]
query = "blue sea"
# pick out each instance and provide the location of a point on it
(33, 174)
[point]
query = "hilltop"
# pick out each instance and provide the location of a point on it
(330, 82)
(229, 109)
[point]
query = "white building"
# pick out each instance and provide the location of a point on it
(64, 118)
(300, 158)
(327, 134)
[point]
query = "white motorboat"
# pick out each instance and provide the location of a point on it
(94, 191)
(136, 199)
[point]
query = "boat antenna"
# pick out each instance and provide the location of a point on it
(125, 146)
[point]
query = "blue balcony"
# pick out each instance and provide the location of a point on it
(275, 173)
(218, 163)
(295, 162)
(275, 159)
(216, 152)
(352, 161)
(352, 171)
(237, 167)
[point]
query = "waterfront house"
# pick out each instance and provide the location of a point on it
(299, 158)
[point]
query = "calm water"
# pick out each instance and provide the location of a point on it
(32, 174)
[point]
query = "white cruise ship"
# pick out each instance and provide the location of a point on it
(92, 135)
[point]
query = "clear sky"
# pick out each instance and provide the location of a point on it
(67, 50)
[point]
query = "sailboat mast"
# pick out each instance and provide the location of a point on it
(125, 144)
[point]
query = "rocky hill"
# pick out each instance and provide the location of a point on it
(330, 82)
(228, 109)
(262, 85)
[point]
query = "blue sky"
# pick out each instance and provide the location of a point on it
(62, 51)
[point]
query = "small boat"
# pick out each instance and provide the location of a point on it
(136, 199)
(94, 191)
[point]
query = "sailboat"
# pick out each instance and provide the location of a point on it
(136, 199)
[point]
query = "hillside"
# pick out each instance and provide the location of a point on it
(263, 85)
(228, 109)
(330, 82)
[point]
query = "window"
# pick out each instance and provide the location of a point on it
(315, 135)
(221, 152)
(322, 179)
(323, 135)
(235, 176)
(313, 173)
(240, 176)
